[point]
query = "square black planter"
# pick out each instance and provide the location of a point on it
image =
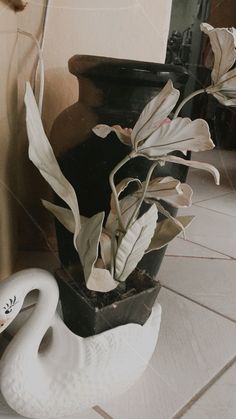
(85, 317)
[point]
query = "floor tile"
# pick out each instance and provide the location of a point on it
(203, 183)
(225, 204)
(219, 402)
(194, 344)
(204, 187)
(224, 160)
(209, 282)
(181, 247)
(212, 229)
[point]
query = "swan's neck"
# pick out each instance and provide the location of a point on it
(30, 335)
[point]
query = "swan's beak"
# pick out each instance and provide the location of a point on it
(2, 323)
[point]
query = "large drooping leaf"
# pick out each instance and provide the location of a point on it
(64, 215)
(180, 134)
(194, 164)
(170, 190)
(87, 244)
(154, 113)
(66, 218)
(166, 231)
(41, 154)
(134, 243)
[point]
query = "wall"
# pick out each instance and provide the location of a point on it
(8, 117)
(135, 29)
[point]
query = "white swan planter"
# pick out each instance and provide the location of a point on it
(68, 374)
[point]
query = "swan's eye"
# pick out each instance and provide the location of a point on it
(9, 306)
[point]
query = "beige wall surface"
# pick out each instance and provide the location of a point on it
(8, 118)
(133, 29)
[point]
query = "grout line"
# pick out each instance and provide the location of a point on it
(204, 389)
(102, 412)
(208, 248)
(198, 257)
(217, 212)
(198, 303)
(213, 197)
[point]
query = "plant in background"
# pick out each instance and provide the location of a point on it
(110, 250)
(223, 44)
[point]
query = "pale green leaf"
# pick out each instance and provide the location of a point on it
(225, 90)
(168, 189)
(87, 244)
(223, 46)
(127, 206)
(101, 280)
(134, 243)
(154, 113)
(63, 215)
(180, 134)
(166, 231)
(194, 164)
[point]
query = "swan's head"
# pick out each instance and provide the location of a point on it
(11, 301)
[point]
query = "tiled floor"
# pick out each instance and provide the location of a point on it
(193, 370)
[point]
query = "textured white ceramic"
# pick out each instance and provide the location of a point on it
(47, 371)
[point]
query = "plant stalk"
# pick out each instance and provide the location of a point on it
(113, 253)
(192, 95)
(113, 188)
(136, 211)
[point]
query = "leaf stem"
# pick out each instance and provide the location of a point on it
(192, 95)
(113, 188)
(136, 211)
(113, 254)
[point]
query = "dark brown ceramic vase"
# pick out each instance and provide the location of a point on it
(111, 91)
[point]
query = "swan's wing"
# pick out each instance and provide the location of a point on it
(5, 410)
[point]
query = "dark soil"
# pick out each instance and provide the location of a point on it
(137, 282)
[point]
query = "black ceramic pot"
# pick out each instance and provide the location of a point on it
(87, 313)
(111, 91)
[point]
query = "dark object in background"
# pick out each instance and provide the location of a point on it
(179, 47)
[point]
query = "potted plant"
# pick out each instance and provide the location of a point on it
(110, 90)
(105, 283)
